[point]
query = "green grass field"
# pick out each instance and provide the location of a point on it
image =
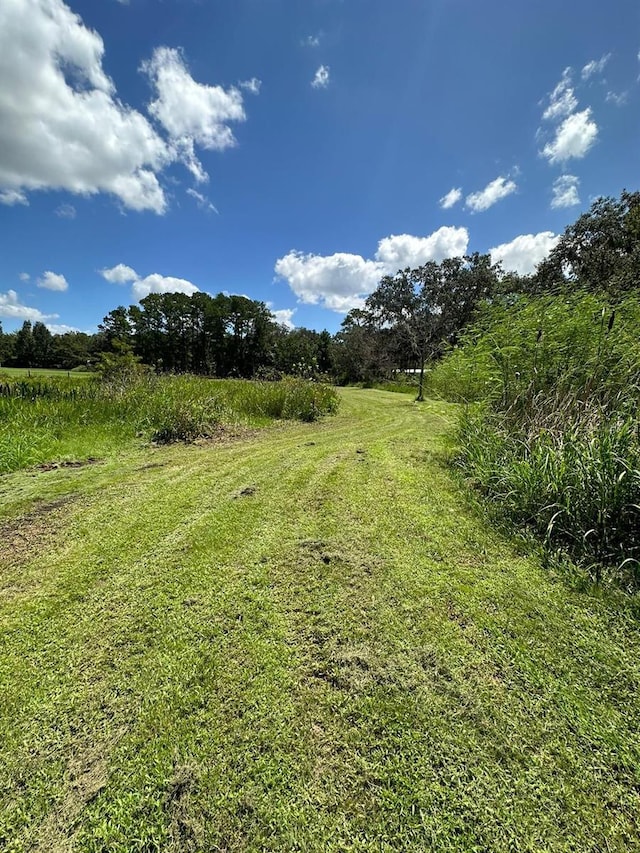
(35, 372)
(304, 640)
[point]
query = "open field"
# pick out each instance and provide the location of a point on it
(43, 372)
(302, 640)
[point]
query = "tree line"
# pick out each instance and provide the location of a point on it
(412, 317)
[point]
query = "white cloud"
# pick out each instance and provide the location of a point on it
(321, 78)
(404, 250)
(525, 252)
(452, 197)
(52, 281)
(66, 211)
(61, 328)
(61, 124)
(120, 274)
(574, 138)
(619, 99)
(284, 316)
(201, 200)
(596, 66)
(565, 191)
(312, 41)
(342, 281)
(11, 197)
(153, 283)
(252, 86)
(339, 282)
(156, 283)
(10, 306)
(494, 192)
(24, 276)
(562, 101)
(191, 113)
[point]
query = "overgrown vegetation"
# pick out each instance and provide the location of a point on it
(554, 434)
(50, 419)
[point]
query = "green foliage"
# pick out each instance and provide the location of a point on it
(45, 419)
(555, 439)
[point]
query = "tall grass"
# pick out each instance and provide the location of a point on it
(44, 420)
(552, 435)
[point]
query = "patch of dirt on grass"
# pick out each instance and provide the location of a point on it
(80, 463)
(86, 776)
(20, 537)
(186, 831)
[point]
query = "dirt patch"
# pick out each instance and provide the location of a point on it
(21, 536)
(54, 466)
(86, 776)
(186, 831)
(247, 492)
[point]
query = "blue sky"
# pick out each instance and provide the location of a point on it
(297, 150)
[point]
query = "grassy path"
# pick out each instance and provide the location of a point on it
(301, 641)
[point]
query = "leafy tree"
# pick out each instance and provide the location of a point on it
(42, 341)
(425, 308)
(116, 326)
(600, 251)
(23, 347)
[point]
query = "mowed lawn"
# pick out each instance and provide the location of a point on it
(304, 640)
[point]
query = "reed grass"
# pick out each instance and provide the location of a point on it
(51, 419)
(550, 432)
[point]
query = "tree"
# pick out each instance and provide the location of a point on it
(23, 347)
(425, 308)
(600, 251)
(42, 345)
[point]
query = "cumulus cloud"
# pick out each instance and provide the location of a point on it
(120, 274)
(596, 66)
(342, 281)
(339, 282)
(562, 101)
(52, 281)
(574, 137)
(11, 307)
(312, 41)
(525, 252)
(494, 192)
(321, 78)
(156, 283)
(190, 112)
(404, 250)
(284, 316)
(565, 191)
(24, 276)
(62, 328)
(452, 197)
(61, 124)
(575, 132)
(153, 283)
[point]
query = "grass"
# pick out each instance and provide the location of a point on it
(555, 440)
(304, 641)
(44, 420)
(42, 372)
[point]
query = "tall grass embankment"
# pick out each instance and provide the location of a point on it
(51, 419)
(550, 431)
